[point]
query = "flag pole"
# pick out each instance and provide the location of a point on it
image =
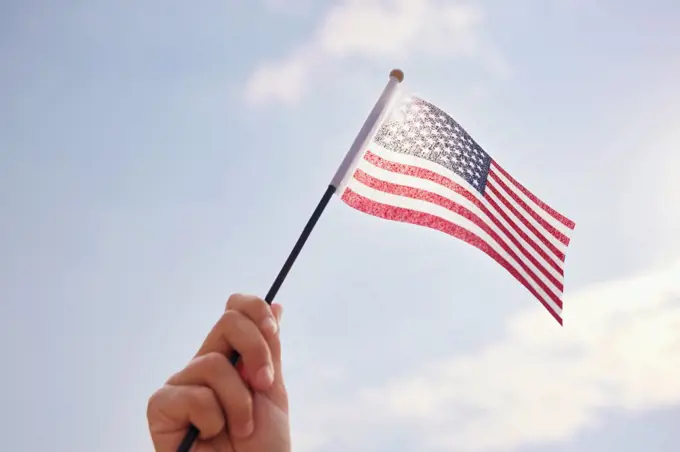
(374, 118)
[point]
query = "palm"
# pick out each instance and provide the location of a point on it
(272, 432)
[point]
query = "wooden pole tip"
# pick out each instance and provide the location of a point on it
(398, 74)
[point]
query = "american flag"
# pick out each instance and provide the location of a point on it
(421, 167)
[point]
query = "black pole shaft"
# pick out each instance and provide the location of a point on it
(192, 433)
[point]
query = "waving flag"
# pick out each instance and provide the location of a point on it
(422, 167)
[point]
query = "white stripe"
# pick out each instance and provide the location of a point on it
(524, 214)
(433, 187)
(441, 212)
(406, 159)
(557, 224)
(531, 236)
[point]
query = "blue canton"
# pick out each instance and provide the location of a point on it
(420, 129)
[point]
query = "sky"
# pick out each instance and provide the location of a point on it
(156, 157)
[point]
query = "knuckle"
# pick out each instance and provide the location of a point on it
(244, 335)
(153, 402)
(241, 404)
(177, 375)
(247, 303)
(229, 319)
(262, 305)
(253, 343)
(204, 408)
(257, 301)
(233, 300)
(260, 312)
(213, 363)
(262, 308)
(257, 354)
(200, 398)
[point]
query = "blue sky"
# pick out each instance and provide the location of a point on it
(157, 156)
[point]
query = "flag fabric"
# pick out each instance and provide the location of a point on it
(421, 167)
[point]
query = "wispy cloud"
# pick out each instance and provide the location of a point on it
(620, 348)
(378, 29)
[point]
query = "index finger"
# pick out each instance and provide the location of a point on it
(252, 307)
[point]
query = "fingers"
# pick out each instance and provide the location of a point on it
(214, 371)
(173, 408)
(257, 310)
(250, 328)
(268, 317)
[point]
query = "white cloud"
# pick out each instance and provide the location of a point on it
(280, 81)
(620, 348)
(382, 29)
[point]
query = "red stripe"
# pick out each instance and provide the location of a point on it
(424, 195)
(547, 226)
(448, 183)
(424, 219)
(555, 214)
(525, 236)
(525, 222)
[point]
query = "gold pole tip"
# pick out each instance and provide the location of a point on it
(398, 74)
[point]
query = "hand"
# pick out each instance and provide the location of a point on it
(243, 409)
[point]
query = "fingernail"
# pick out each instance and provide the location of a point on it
(265, 376)
(270, 326)
(245, 430)
(279, 314)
